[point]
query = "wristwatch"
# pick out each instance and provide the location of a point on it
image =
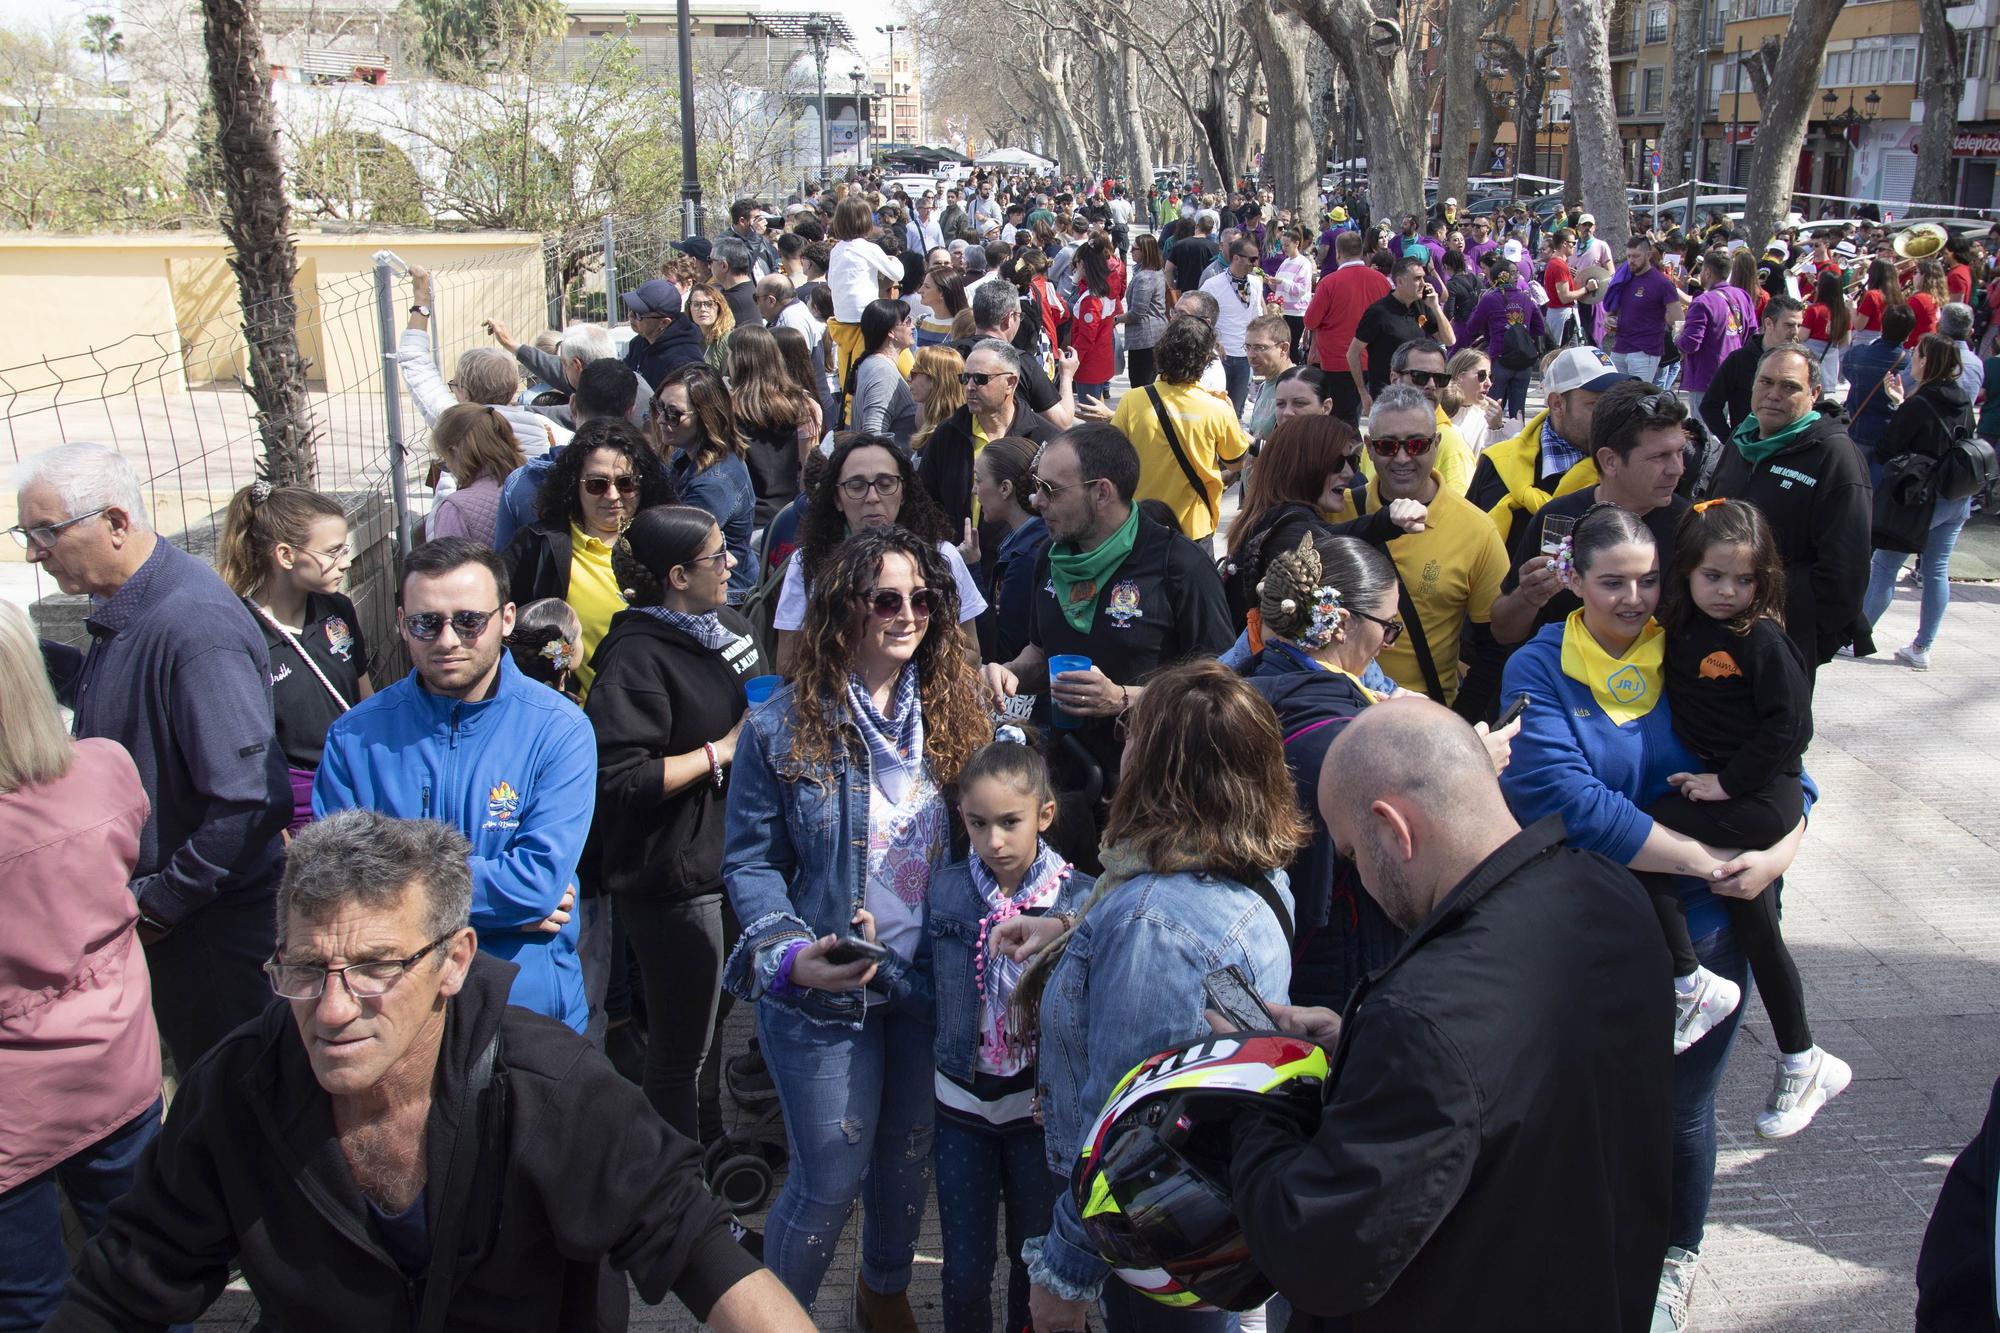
(423, 310)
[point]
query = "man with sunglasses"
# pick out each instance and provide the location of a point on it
(994, 406)
(1241, 295)
(1451, 570)
(467, 740)
(1420, 363)
(396, 1145)
(1519, 475)
(177, 673)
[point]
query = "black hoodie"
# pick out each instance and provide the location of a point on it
(571, 1168)
(679, 344)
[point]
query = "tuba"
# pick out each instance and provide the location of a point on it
(1926, 240)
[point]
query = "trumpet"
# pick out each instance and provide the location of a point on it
(1926, 240)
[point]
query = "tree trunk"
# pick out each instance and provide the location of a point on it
(1131, 114)
(1459, 120)
(1944, 58)
(1290, 158)
(1593, 121)
(257, 219)
(1684, 111)
(1783, 106)
(1394, 133)
(1070, 149)
(1212, 120)
(1489, 130)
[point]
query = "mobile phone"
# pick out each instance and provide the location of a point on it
(1229, 994)
(1514, 710)
(854, 949)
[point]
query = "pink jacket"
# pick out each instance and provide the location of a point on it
(79, 1055)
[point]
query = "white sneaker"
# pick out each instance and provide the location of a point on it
(1670, 1306)
(1796, 1096)
(1915, 658)
(1697, 1011)
(1845, 650)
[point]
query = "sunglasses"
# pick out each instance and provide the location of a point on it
(1392, 630)
(980, 378)
(887, 603)
(714, 559)
(427, 625)
(1414, 446)
(1437, 379)
(627, 484)
(885, 485)
(1485, 376)
(673, 416)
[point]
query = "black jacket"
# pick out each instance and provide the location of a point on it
(537, 565)
(656, 691)
(1955, 1265)
(1481, 1120)
(1816, 495)
(570, 1167)
(1727, 401)
(679, 344)
(946, 467)
(1924, 423)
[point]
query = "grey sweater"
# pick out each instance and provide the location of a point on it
(178, 674)
(882, 401)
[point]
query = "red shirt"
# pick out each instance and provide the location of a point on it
(1870, 308)
(1816, 320)
(1958, 281)
(1924, 306)
(1336, 308)
(1556, 281)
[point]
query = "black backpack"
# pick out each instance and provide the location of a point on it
(1968, 464)
(1517, 347)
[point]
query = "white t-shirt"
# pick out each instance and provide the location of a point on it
(791, 613)
(1121, 211)
(1235, 315)
(797, 315)
(853, 273)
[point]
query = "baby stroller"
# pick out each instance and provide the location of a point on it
(742, 1166)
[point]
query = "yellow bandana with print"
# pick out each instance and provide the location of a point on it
(1627, 687)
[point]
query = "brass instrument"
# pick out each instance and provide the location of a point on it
(1926, 240)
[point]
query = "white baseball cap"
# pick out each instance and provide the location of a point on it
(1582, 368)
(1513, 252)
(1451, 203)
(1586, 219)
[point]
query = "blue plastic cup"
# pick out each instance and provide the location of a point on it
(759, 688)
(1058, 664)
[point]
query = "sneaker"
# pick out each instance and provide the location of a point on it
(1713, 999)
(1670, 1306)
(1797, 1095)
(1845, 650)
(1915, 658)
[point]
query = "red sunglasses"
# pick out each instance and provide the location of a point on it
(1414, 446)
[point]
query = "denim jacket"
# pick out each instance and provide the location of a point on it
(796, 865)
(953, 942)
(1129, 985)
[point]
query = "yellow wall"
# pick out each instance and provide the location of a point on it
(97, 313)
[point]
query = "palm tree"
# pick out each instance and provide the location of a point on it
(103, 40)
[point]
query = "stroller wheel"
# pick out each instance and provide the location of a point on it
(742, 1182)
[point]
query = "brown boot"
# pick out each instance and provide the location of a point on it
(876, 1313)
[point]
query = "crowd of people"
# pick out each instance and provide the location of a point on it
(839, 644)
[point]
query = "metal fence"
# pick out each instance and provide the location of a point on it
(172, 400)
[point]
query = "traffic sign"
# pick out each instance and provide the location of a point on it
(1656, 166)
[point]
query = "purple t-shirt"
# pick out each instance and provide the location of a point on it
(1642, 308)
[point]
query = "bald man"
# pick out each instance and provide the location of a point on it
(1494, 1149)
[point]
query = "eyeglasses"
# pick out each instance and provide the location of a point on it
(1392, 629)
(427, 625)
(626, 483)
(692, 306)
(887, 603)
(981, 378)
(1414, 446)
(1437, 379)
(44, 536)
(886, 485)
(715, 559)
(1262, 347)
(364, 981)
(1044, 489)
(333, 557)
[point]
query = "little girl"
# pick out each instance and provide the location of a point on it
(1742, 701)
(988, 1146)
(547, 644)
(284, 551)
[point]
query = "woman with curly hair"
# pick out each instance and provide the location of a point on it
(597, 486)
(869, 483)
(837, 821)
(711, 314)
(694, 424)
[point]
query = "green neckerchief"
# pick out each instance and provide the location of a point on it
(1077, 575)
(1757, 450)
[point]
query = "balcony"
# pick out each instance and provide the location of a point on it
(1624, 43)
(1626, 104)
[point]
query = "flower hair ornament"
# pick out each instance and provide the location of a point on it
(1564, 562)
(1325, 623)
(561, 653)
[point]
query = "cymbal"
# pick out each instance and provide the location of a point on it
(1583, 276)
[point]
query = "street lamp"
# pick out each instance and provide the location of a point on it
(859, 79)
(690, 167)
(819, 33)
(890, 30)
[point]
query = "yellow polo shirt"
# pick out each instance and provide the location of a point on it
(1454, 458)
(1210, 436)
(594, 596)
(1453, 570)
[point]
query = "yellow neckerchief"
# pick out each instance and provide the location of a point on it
(1627, 687)
(1517, 462)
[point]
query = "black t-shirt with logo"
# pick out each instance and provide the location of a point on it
(305, 708)
(1162, 605)
(1385, 326)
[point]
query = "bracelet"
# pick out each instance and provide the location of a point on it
(781, 980)
(1124, 700)
(714, 762)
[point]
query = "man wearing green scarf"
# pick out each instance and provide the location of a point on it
(1798, 466)
(1115, 587)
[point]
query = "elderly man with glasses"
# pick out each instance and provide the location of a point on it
(414, 1150)
(994, 406)
(177, 673)
(467, 740)
(1420, 363)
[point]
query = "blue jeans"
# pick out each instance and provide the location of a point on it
(979, 1170)
(1510, 389)
(33, 1264)
(1236, 374)
(1645, 365)
(1933, 569)
(1697, 1078)
(858, 1109)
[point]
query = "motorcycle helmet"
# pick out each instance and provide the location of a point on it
(1152, 1180)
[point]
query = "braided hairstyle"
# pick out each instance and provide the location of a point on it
(1290, 596)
